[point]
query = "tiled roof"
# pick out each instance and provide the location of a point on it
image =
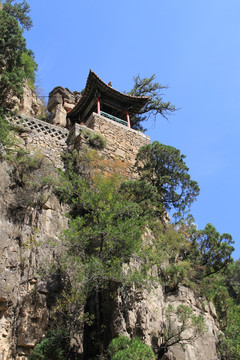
(95, 85)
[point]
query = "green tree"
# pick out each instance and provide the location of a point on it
(55, 346)
(12, 47)
(30, 67)
(105, 230)
(164, 168)
(20, 12)
(146, 195)
(6, 140)
(210, 251)
(229, 347)
(155, 106)
(181, 327)
(123, 348)
(233, 280)
(16, 61)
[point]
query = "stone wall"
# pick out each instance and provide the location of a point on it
(42, 136)
(121, 142)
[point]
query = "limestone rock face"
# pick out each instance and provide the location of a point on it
(143, 314)
(25, 248)
(29, 104)
(61, 101)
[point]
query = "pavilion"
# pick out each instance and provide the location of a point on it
(104, 100)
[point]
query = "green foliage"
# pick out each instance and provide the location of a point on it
(181, 327)
(210, 251)
(16, 62)
(155, 106)
(12, 47)
(123, 348)
(233, 280)
(216, 288)
(229, 347)
(55, 346)
(164, 168)
(6, 138)
(105, 229)
(105, 232)
(19, 11)
(30, 67)
(146, 195)
(174, 266)
(95, 140)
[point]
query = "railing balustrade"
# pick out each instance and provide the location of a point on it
(114, 118)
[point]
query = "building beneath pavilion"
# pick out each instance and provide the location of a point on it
(101, 98)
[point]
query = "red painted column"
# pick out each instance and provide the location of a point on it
(98, 106)
(128, 119)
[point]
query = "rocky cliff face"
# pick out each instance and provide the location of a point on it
(143, 314)
(61, 101)
(29, 104)
(31, 219)
(24, 246)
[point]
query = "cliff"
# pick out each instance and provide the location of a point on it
(32, 219)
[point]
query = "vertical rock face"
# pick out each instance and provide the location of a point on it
(25, 249)
(29, 104)
(61, 101)
(143, 314)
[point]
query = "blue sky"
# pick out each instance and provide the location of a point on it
(192, 46)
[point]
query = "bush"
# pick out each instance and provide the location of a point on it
(95, 140)
(122, 348)
(55, 346)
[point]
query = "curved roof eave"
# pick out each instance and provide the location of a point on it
(94, 84)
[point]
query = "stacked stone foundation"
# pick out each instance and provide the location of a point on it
(122, 143)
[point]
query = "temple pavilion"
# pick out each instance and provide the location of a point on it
(104, 100)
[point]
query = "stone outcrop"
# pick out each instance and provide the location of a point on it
(29, 104)
(61, 101)
(25, 247)
(142, 314)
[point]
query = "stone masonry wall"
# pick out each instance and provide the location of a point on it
(42, 136)
(122, 142)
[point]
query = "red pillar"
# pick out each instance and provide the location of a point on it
(98, 106)
(128, 119)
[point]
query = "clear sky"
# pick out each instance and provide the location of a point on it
(192, 46)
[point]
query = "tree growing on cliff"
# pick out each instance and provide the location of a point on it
(164, 168)
(122, 348)
(104, 232)
(155, 106)
(210, 252)
(180, 327)
(20, 12)
(16, 61)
